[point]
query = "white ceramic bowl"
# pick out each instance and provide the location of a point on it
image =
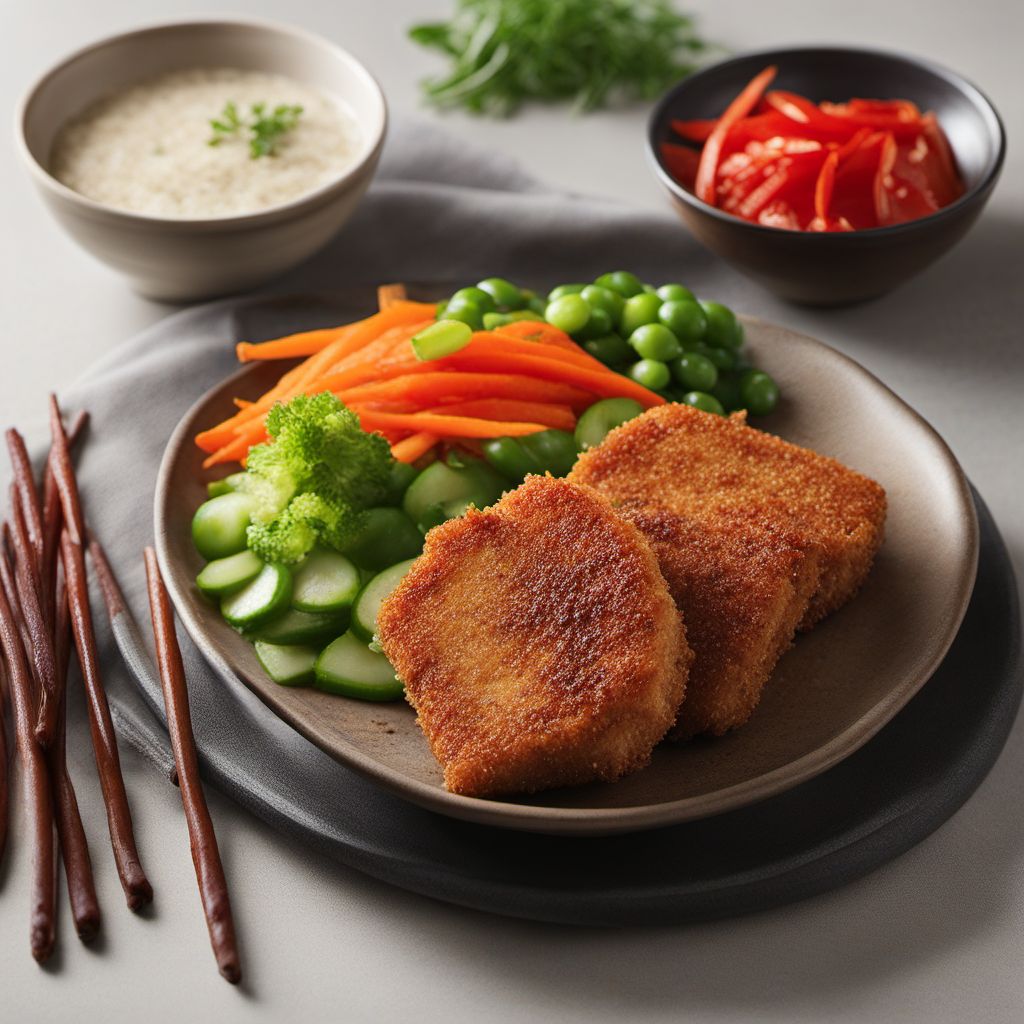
(184, 260)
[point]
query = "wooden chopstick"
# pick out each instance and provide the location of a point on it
(213, 887)
(5, 796)
(38, 802)
(85, 907)
(137, 889)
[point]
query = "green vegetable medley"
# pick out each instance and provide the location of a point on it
(506, 52)
(304, 546)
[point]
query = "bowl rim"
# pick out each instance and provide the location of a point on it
(46, 180)
(777, 55)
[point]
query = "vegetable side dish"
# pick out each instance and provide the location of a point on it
(532, 637)
(777, 159)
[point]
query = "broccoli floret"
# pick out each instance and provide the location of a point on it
(311, 482)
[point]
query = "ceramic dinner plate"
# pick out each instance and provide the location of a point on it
(829, 694)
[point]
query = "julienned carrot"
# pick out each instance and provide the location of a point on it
(413, 447)
(741, 106)
(551, 345)
(442, 385)
(488, 355)
(307, 343)
(558, 417)
(445, 426)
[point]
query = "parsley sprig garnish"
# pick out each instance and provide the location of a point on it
(266, 127)
(507, 52)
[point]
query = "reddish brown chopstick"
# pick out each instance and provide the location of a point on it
(136, 886)
(25, 483)
(213, 886)
(4, 788)
(40, 636)
(38, 803)
(85, 907)
(137, 889)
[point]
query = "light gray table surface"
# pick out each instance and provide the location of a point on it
(936, 936)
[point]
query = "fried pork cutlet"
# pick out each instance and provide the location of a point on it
(700, 466)
(538, 643)
(741, 586)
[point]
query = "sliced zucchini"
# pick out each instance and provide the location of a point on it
(388, 535)
(294, 627)
(287, 666)
(226, 575)
(371, 597)
(443, 492)
(325, 582)
(259, 599)
(219, 526)
(348, 667)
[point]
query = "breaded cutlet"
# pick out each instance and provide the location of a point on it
(741, 585)
(538, 643)
(700, 465)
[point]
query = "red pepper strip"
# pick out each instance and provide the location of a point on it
(853, 195)
(903, 109)
(886, 160)
(907, 202)
(681, 162)
(946, 184)
(899, 126)
(696, 130)
(742, 105)
(824, 186)
(814, 122)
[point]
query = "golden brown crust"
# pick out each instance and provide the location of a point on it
(741, 585)
(538, 643)
(702, 466)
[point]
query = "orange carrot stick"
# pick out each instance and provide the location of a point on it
(445, 426)
(436, 386)
(306, 343)
(558, 417)
(413, 447)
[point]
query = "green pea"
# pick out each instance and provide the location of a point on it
(655, 341)
(568, 313)
(685, 319)
(536, 305)
(510, 458)
(505, 294)
(650, 289)
(611, 350)
(650, 373)
(594, 425)
(467, 311)
(604, 298)
(723, 358)
(554, 450)
(565, 289)
(695, 372)
(759, 392)
(724, 330)
(675, 293)
(702, 400)
(637, 311)
(476, 295)
(621, 281)
(599, 324)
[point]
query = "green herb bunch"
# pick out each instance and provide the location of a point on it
(265, 128)
(507, 52)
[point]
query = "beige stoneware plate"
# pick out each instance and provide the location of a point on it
(830, 694)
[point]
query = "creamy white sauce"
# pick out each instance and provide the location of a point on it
(145, 149)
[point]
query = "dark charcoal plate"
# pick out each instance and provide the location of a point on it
(832, 268)
(829, 695)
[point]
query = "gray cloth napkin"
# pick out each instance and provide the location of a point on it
(438, 211)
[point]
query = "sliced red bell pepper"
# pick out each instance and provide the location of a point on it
(883, 179)
(742, 105)
(824, 187)
(695, 130)
(853, 195)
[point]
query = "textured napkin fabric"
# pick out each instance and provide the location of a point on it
(438, 211)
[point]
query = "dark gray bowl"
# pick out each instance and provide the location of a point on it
(833, 268)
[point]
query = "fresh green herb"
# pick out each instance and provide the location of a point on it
(266, 128)
(313, 480)
(507, 52)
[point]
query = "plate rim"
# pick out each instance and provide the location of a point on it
(589, 821)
